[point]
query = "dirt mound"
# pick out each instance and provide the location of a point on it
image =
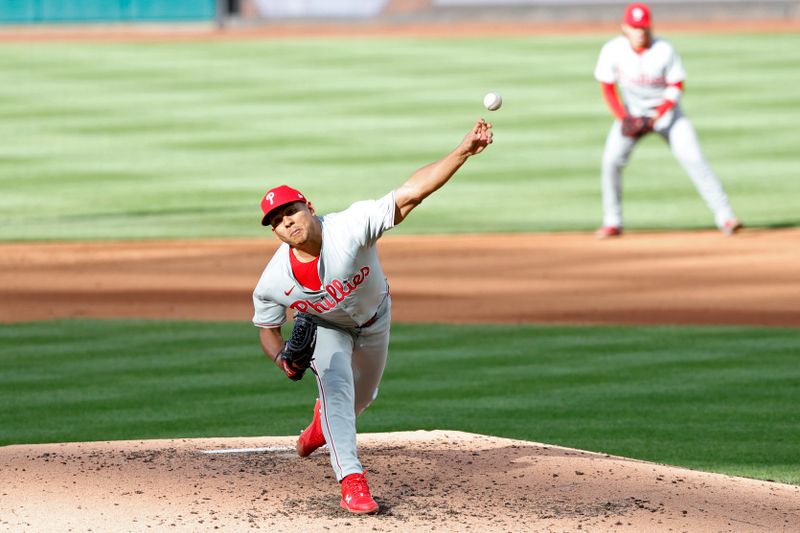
(424, 481)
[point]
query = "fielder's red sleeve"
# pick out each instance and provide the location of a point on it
(669, 103)
(612, 100)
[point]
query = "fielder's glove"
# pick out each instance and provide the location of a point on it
(636, 126)
(298, 351)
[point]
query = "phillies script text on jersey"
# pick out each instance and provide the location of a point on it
(337, 292)
(642, 79)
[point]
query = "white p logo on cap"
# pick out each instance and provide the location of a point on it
(271, 197)
(638, 14)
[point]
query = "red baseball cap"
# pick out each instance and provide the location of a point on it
(637, 15)
(277, 197)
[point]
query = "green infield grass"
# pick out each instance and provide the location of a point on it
(720, 399)
(181, 139)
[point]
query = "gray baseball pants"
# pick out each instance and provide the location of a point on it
(679, 133)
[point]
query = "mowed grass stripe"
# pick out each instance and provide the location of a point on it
(174, 140)
(713, 398)
(101, 380)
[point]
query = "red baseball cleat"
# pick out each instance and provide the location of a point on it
(312, 438)
(731, 226)
(608, 231)
(355, 495)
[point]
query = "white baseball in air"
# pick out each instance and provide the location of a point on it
(492, 101)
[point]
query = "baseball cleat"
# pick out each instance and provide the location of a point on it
(312, 437)
(731, 226)
(355, 495)
(608, 231)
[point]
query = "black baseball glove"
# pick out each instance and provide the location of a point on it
(636, 126)
(298, 351)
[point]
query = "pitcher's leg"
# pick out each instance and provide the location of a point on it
(615, 156)
(686, 148)
(369, 361)
(333, 367)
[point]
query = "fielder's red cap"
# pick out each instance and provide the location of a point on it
(637, 15)
(277, 197)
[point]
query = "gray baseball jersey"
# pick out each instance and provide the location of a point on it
(353, 282)
(642, 78)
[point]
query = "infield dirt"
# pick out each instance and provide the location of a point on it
(643, 278)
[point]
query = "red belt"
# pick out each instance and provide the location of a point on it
(369, 322)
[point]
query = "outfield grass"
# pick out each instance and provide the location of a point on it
(712, 398)
(162, 140)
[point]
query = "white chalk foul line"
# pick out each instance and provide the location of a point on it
(252, 450)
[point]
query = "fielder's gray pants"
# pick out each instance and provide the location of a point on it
(678, 131)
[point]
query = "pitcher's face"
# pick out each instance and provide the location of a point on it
(293, 223)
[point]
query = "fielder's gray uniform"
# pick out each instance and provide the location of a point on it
(644, 81)
(353, 312)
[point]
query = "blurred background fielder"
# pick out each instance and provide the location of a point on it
(650, 76)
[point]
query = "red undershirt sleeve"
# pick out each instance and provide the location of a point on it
(612, 100)
(675, 89)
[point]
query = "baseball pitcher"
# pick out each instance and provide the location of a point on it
(327, 271)
(650, 77)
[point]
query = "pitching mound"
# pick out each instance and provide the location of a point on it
(424, 481)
